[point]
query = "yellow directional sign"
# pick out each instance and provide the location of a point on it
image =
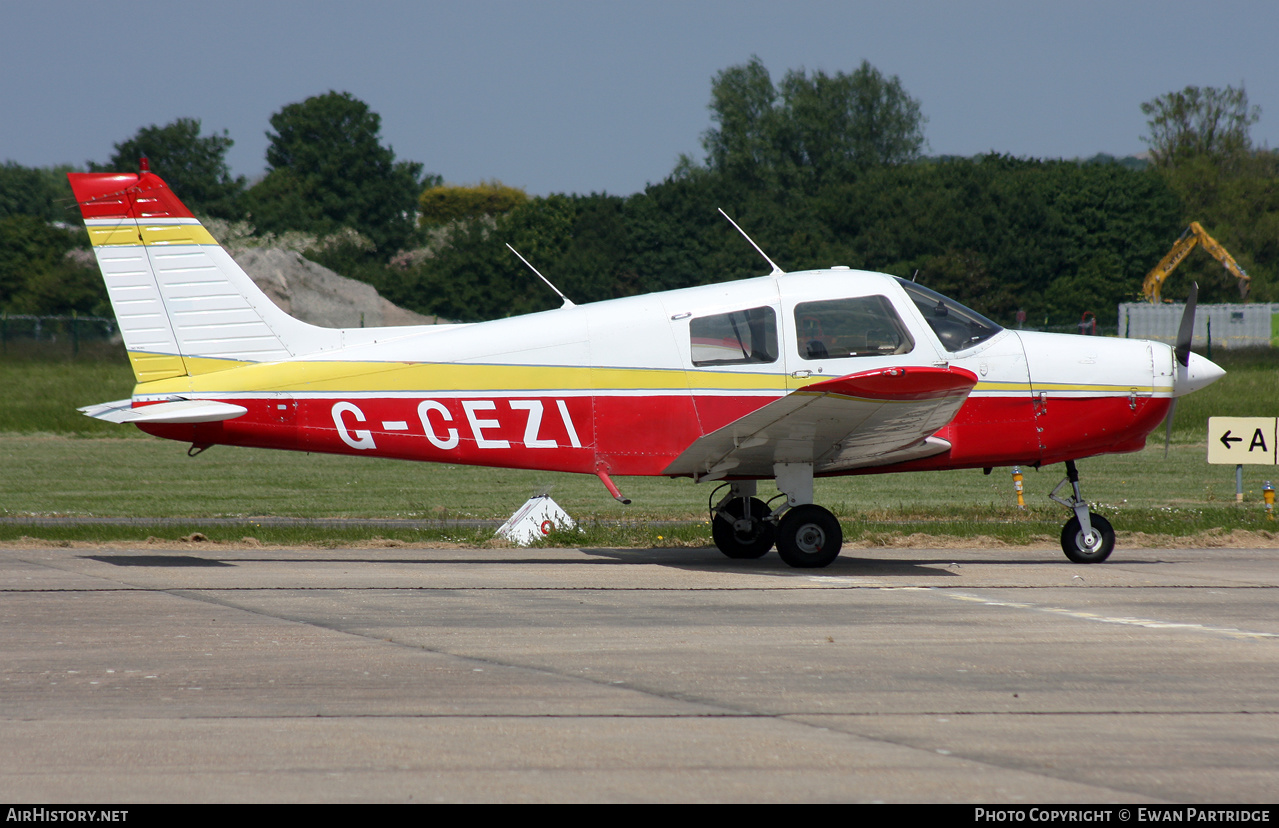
(1242, 441)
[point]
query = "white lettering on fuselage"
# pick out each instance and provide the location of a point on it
(478, 425)
(435, 419)
(449, 442)
(568, 424)
(363, 438)
(533, 425)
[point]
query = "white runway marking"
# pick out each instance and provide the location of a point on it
(1149, 623)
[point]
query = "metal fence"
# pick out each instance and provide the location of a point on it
(25, 334)
(1216, 326)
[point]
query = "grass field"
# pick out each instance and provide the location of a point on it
(56, 462)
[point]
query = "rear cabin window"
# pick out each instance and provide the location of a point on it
(858, 327)
(737, 338)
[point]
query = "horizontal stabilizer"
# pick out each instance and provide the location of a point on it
(178, 411)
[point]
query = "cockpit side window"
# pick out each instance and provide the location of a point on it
(855, 327)
(956, 326)
(736, 338)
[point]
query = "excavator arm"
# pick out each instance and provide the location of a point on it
(1192, 236)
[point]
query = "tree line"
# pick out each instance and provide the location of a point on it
(820, 169)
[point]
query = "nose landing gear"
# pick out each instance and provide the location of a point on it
(1087, 537)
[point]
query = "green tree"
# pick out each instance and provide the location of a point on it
(447, 202)
(35, 191)
(862, 119)
(37, 277)
(1093, 287)
(194, 166)
(744, 110)
(810, 128)
(328, 169)
(1201, 145)
(1199, 122)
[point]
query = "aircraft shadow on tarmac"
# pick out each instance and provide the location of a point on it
(699, 560)
(710, 560)
(156, 560)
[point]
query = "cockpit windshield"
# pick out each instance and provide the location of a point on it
(956, 326)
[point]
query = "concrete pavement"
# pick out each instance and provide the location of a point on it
(421, 674)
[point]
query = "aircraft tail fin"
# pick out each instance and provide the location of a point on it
(183, 304)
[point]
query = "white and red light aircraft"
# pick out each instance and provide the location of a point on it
(788, 376)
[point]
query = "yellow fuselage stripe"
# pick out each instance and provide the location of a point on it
(303, 377)
(223, 376)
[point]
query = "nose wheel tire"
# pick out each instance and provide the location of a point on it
(809, 537)
(1074, 544)
(740, 542)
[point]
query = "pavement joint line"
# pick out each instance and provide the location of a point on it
(784, 714)
(399, 588)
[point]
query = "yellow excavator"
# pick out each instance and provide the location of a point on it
(1193, 235)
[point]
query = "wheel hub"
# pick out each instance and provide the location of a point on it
(810, 538)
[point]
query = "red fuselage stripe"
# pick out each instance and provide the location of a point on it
(642, 435)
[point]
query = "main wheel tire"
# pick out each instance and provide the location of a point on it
(754, 542)
(1072, 540)
(809, 536)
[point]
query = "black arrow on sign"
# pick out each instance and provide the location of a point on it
(1226, 439)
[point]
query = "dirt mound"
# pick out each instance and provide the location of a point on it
(317, 295)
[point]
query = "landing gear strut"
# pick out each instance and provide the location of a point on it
(1087, 537)
(807, 535)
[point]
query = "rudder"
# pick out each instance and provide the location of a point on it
(183, 304)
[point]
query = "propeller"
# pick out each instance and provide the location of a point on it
(1185, 333)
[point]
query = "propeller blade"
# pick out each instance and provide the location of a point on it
(1187, 330)
(1185, 334)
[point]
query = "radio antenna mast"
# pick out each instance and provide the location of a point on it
(777, 271)
(567, 303)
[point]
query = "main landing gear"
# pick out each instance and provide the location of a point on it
(1087, 537)
(806, 535)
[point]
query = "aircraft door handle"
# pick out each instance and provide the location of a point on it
(801, 374)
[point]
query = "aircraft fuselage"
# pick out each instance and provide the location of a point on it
(614, 384)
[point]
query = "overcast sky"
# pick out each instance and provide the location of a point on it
(604, 96)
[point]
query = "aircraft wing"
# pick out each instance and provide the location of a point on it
(866, 419)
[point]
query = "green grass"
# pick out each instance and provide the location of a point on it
(46, 475)
(54, 461)
(55, 475)
(42, 395)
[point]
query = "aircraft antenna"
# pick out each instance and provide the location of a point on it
(777, 271)
(567, 303)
